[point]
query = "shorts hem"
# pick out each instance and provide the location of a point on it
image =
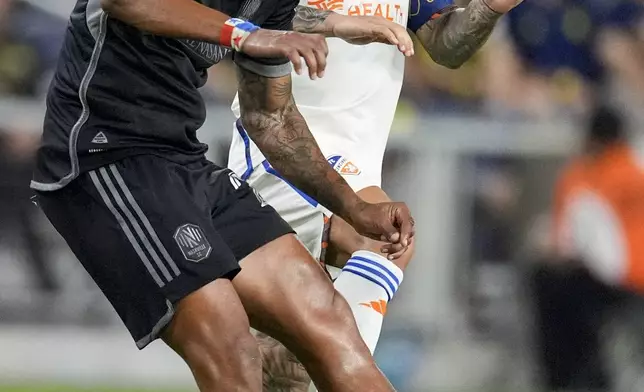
(267, 239)
(157, 329)
(165, 320)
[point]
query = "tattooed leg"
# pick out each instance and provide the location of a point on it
(282, 372)
(288, 296)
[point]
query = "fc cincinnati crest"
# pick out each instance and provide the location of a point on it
(192, 242)
(343, 166)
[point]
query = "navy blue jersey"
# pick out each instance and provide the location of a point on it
(422, 11)
(119, 91)
(553, 34)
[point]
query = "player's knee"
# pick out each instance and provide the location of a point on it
(245, 354)
(320, 296)
(329, 315)
(233, 356)
(331, 333)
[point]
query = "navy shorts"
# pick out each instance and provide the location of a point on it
(150, 231)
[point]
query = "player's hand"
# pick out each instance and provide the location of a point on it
(390, 222)
(502, 6)
(395, 251)
(362, 30)
(273, 43)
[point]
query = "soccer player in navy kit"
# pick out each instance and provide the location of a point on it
(162, 231)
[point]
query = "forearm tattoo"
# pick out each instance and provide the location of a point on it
(454, 37)
(311, 20)
(269, 114)
(281, 371)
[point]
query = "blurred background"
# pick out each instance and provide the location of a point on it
(523, 169)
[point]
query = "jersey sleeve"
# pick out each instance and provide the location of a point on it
(422, 11)
(280, 19)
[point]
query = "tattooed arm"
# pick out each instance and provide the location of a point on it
(269, 114)
(357, 30)
(313, 20)
(452, 37)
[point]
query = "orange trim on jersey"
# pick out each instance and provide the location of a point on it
(331, 5)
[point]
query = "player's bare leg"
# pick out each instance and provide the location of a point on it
(288, 296)
(281, 370)
(370, 273)
(210, 331)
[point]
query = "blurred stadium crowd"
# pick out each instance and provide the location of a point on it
(549, 58)
(550, 61)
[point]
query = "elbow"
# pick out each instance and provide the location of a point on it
(248, 117)
(452, 64)
(254, 121)
(448, 60)
(247, 122)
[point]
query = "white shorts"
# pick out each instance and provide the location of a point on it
(304, 214)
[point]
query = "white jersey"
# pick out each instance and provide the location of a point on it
(351, 109)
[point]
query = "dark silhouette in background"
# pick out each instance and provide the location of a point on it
(573, 306)
(19, 225)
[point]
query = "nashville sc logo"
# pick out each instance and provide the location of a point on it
(192, 242)
(391, 10)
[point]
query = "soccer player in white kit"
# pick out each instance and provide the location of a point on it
(350, 112)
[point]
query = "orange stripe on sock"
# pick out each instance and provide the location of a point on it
(379, 306)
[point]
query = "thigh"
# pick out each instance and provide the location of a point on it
(142, 235)
(202, 311)
(210, 331)
(288, 296)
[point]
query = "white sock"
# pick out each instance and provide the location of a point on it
(368, 282)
